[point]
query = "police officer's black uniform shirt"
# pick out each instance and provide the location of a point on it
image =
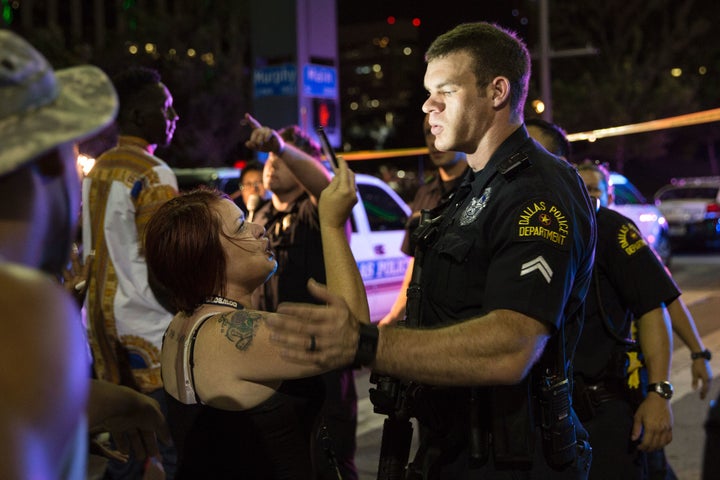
(429, 196)
(522, 241)
(631, 280)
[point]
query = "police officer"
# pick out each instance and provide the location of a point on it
(504, 278)
(629, 283)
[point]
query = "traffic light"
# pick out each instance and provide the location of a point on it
(324, 114)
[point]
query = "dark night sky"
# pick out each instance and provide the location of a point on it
(436, 17)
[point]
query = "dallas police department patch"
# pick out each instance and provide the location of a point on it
(474, 208)
(543, 220)
(629, 239)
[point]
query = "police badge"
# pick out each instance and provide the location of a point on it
(474, 208)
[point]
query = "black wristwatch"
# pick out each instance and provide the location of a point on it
(367, 345)
(704, 354)
(664, 389)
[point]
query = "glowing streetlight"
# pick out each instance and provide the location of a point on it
(85, 164)
(538, 106)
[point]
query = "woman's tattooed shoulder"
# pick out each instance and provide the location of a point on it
(239, 327)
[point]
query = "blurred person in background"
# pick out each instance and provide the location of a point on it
(125, 187)
(252, 194)
(49, 401)
(295, 175)
(451, 169)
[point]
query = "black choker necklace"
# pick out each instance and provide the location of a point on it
(226, 302)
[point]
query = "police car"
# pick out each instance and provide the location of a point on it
(692, 207)
(225, 179)
(648, 218)
(378, 229)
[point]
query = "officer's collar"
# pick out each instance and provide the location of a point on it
(509, 147)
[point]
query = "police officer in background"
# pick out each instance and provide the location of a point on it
(629, 283)
(553, 138)
(506, 268)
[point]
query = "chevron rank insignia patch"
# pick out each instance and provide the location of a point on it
(629, 239)
(537, 264)
(543, 220)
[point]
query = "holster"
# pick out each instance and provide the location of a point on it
(588, 396)
(513, 425)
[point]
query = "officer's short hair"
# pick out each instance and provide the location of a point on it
(560, 144)
(589, 165)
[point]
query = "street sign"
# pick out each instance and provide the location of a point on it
(275, 80)
(319, 81)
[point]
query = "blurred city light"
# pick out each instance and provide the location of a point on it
(381, 42)
(538, 106)
(208, 58)
(85, 164)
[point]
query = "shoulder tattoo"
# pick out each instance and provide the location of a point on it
(239, 327)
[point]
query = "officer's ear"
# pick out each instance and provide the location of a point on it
(499, 90)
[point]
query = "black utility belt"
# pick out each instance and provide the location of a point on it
(588, 396)
(601, 393)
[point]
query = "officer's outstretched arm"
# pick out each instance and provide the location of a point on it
(496, 349)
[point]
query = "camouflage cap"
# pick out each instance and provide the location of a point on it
(40, 109)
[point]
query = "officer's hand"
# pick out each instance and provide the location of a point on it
(701, 372)
(334, 327)
(653, 423)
